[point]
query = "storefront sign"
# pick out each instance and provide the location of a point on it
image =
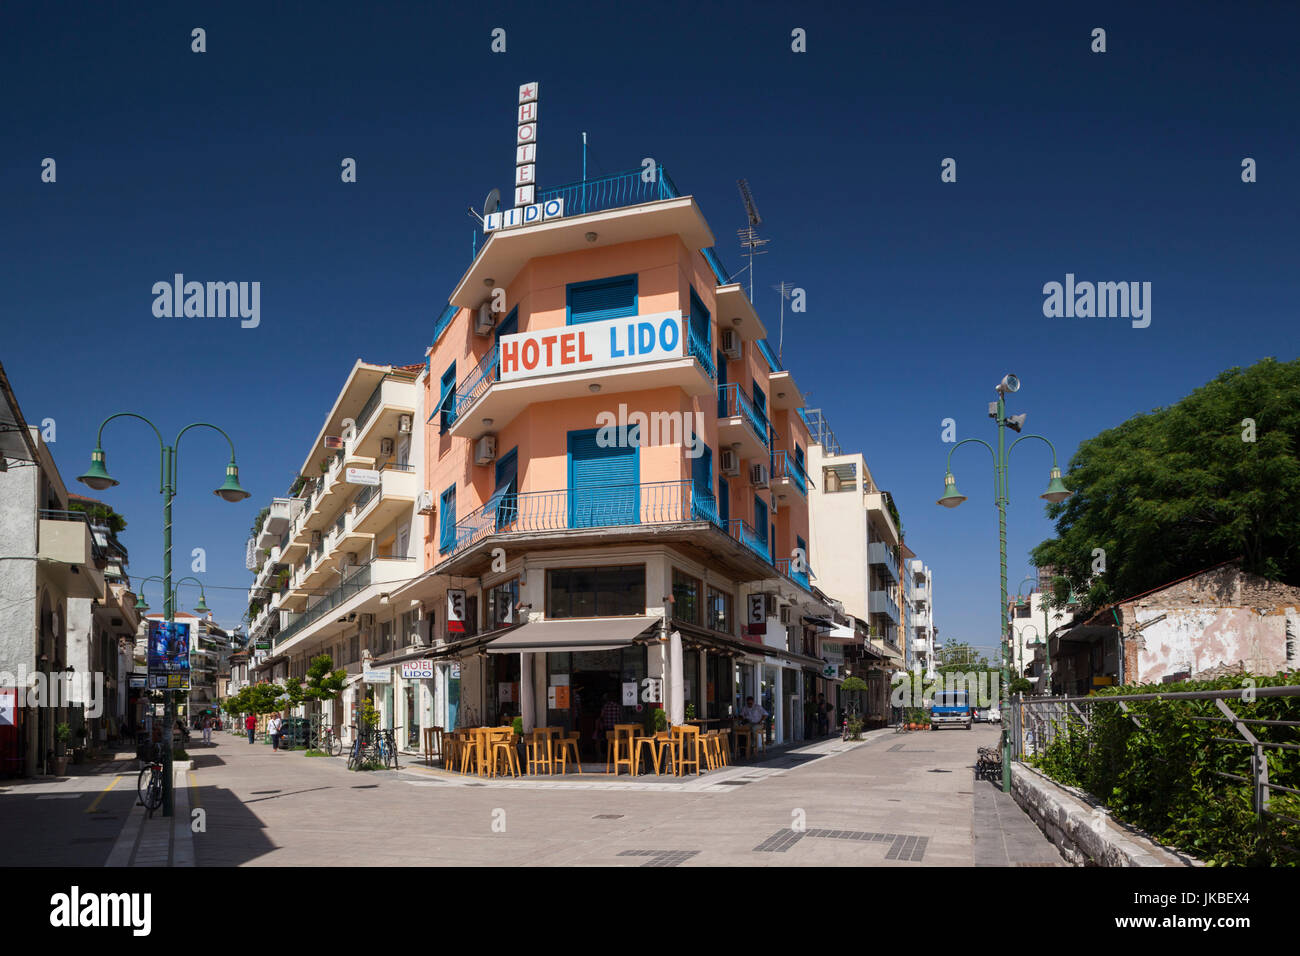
(757, 614)
(454, 671)
(333, 441)
(605, 344)
(629, 693)
(417, 670)
(383, 675)
(361, 476)
(455, 610)
(138, 682)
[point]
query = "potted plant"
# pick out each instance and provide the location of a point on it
(690, 711)
(661, 720)
(62, 734)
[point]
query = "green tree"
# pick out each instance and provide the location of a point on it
(1211, 478)
(323, 682)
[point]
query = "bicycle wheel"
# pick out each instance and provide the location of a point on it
(333, 746)
(155, 792)
(142, 785)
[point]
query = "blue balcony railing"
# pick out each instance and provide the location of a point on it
(719, 270)
(700, 350)
(656, 502)
(611, 192)
(733, 402)
(482, 378)
(785, 465)
(799, 577)
(743, 532)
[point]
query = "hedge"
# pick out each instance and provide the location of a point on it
(1161, 776)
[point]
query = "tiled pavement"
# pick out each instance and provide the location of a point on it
(891, 800)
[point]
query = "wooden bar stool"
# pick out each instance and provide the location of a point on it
(624, 747)
(539, 751)
(565, 746)
(503, 748)
(687, 739)
(724, 746)
(709, 744)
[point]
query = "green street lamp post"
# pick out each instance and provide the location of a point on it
(1056, 491)
(98, 478)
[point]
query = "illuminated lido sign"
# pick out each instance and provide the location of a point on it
(593, 345)
(526, 211)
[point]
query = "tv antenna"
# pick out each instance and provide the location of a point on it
(749, 238)
(784, 289)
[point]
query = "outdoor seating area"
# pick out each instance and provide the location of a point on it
(687, 749)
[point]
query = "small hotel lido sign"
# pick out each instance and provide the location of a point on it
(592, 345)
(526, 211)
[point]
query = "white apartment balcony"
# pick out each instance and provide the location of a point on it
(63, 546)
(378, 505)
(882, 602)
(359, 589)
(880, 554)
(276, 522)
(784, 392)
(876, 502)
(382, 416)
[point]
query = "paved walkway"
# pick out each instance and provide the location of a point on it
(889, 800)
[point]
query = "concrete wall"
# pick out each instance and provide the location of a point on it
(18, 624)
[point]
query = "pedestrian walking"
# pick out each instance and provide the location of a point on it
(250, 724)
(207, 731)
(273, 728)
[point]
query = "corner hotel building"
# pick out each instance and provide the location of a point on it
(582, 564)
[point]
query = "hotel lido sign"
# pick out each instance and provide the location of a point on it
(526, 211)
(592, 345)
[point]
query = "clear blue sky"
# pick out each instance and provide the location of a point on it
(921, 295)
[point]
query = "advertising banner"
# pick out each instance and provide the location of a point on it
(169, 655)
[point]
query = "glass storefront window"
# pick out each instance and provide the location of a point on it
(720, 613)
(686, 598)
(502, 599)
(595, 592)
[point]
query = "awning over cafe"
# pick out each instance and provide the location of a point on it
(588, 634)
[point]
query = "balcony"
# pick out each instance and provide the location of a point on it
(785, 393)
(881, 554)
(788, 473)
(382, 570)
(483, 403)
(798, 577)
(882, 602)
(381, 416)
(877, 502)
(741, 424)
(64, 544)
(278, 519)
(618, 208)
(735, 311)
(379, 505)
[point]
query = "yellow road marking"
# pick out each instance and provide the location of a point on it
(104, 793)
(194, 790)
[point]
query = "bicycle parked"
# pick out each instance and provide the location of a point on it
(149, 785)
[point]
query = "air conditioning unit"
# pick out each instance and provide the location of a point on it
(731, 343)
(367, 620)
(404, 424)
(729, 461)
(485, 450)
(386, 447)
(758, 475)
(426, 502)
(485, 320)
(770, 605)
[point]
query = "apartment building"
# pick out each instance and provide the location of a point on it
(102, 631)
(348, 533)
(920, 616)
(49, 559)
(855, 544)
(616, 466)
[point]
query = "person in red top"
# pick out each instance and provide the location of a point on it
(250, 724)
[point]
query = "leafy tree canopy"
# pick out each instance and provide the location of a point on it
(1166, 494)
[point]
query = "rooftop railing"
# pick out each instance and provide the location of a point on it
(611, 192)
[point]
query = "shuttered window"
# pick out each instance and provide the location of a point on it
(447, 516)
(613, 298)
(603, 486)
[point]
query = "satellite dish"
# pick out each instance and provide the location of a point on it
(492, 203)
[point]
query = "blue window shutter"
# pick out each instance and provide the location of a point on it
(447, 398)
(760, 400)
(760, 519)
(724, 502)
(447, 516)
(613, 298)
(603, 487)
(505, 500)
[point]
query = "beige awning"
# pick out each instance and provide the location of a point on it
(587, 634)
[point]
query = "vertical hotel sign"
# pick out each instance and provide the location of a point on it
(527, 210)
